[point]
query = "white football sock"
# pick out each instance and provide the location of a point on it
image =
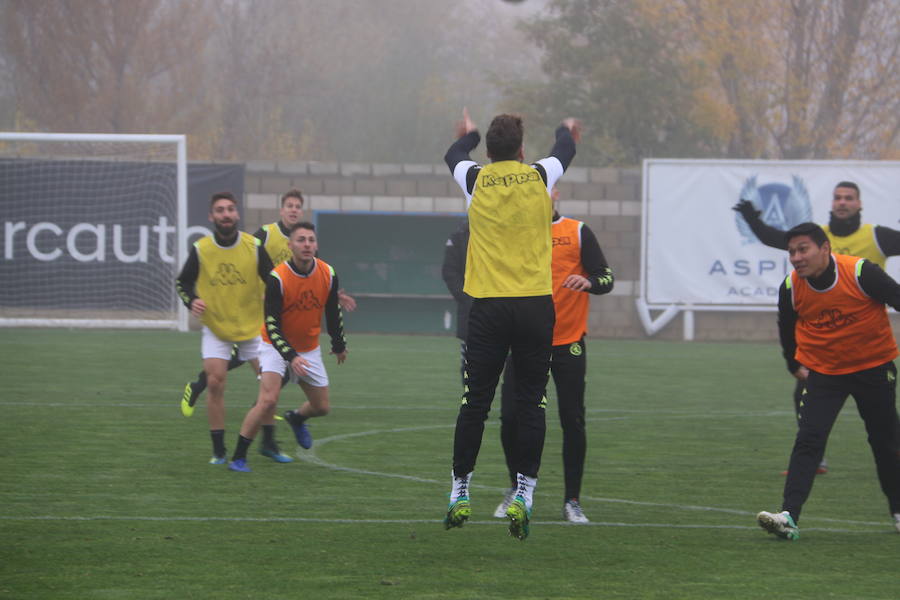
(459, 487)
(525, 488)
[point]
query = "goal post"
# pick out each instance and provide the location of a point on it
(93, 230)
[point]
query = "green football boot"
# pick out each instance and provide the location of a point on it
(779, 524)
(458, 513)
(519, 518)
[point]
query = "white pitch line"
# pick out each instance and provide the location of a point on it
(626, 413)
(494, 522)
(311, 457)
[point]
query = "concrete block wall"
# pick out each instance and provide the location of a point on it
(607, 199)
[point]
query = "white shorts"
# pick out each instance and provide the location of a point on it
(270, 361)
(212, 347)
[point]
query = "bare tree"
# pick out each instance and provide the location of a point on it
(801, 78)
(269, 79)
(104, 65)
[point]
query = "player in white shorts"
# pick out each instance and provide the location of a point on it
(270, 361)
(298, 293)
(213, 347)
(221, 283)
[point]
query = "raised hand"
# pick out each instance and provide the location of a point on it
(465, 125)
(574, 126)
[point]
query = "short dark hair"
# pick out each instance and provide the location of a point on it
(292, 193)
(301, 225)
(504, 137)
(816, 233)
(851, 185)
(221, 196)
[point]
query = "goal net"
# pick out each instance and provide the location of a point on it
(93, 230)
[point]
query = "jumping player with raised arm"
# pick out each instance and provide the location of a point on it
(508, 275)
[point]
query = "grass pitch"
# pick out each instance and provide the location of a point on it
(105, 491)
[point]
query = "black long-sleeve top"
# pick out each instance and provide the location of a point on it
(186, 282)
(453, 272)
(888, 239)
(274, 305)
(594, 263)
(262, 235)
(877, 284)
(563, 150)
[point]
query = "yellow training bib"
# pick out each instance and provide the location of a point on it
(860, 243)
(230, 286)
(510, 246)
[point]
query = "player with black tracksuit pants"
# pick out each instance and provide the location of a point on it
(832, 321)
(453, 272)
(508, 275)
(579, 268)
(847, 235)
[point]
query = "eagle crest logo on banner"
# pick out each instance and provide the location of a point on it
(781, 206)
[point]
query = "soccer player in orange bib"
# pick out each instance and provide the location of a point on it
(274, 239)
(846, 234)
(832, 321)
(579, 268)
(298, 292)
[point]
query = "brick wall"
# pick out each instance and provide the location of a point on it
(607, 199)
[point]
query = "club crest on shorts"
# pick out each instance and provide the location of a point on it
(575, 349)
(782, 206)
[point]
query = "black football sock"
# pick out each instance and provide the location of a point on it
(200, 384)
(218, 441)
(268, 436)
(242, 445)
(295, 418)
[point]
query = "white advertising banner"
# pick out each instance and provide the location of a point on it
(697, 251)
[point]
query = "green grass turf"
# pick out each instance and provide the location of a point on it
(105, 491)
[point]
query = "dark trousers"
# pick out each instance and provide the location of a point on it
(498, 327)
(799, 390)
(798, 397)
(462, 362)
(874, 391)
(568, 366)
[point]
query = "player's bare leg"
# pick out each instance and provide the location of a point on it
(263, 410)
(216, 370)
(316, 405)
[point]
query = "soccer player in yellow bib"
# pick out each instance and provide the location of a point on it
(274, 238)
(222, 283)
(508, 276)
(846, 235)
